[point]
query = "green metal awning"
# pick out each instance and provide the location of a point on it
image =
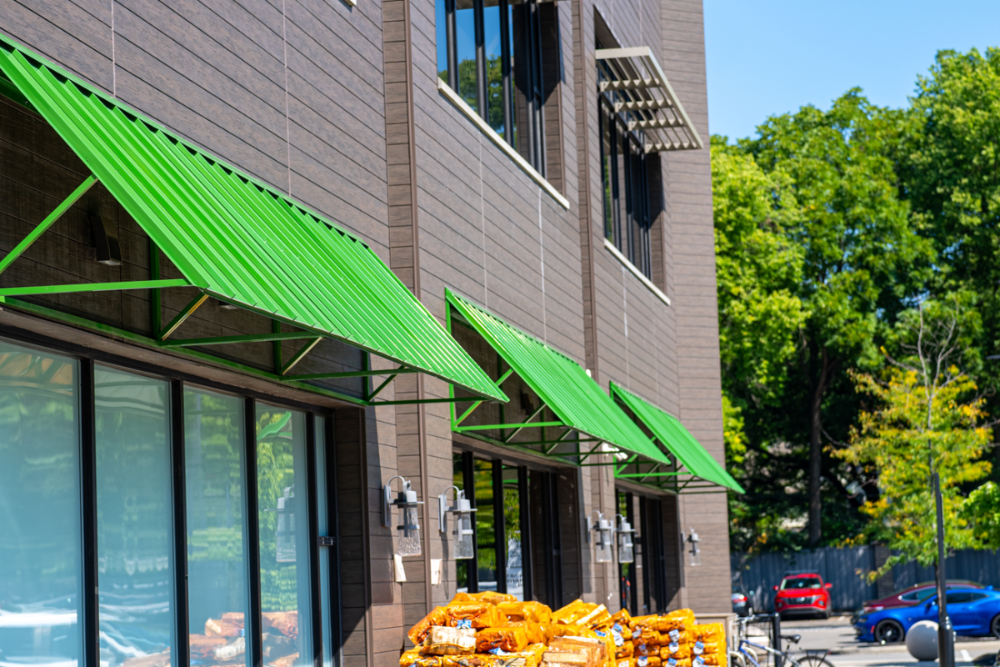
(674, 437)
(579, 403)
(234, 238)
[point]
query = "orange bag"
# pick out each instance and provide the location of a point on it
(648, 661)
(467, 661)
(625, 650)
(675, 662)
(535, 612)
(624, 662)
(681, 619)
(709, 632)
(622, 617)
(489, 596)
(714, 659)
(596, 617)
(479, 614)
(676, 651)
(413, 658)
(449, 641)
(702, 648)
(531, 656)
(418, 632)
(509, 639)
(571, 613)
(535, 632)
(675, 637)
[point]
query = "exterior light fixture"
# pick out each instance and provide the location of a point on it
(463, 532)
(626, 550)
(601, 531)
(409, 528)
(695, 552)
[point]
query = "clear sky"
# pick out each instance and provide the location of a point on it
(768, 57)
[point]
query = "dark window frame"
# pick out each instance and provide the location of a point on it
(530, 129)
(549, 530)
(627, 220)
(88, 359)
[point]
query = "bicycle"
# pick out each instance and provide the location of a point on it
(746, 652)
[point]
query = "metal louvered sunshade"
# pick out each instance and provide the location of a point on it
(638, 89)
(237, 239)
(677, 439)
(560, 383)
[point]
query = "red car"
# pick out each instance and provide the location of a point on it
(802, 593)
(912, 595)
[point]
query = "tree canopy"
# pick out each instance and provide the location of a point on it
(832, 228)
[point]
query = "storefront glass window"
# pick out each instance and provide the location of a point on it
(486, 533)
(512, 532)
(217, 559)
(134, 519)
(283, 518)
(40, 555)
(465, 33)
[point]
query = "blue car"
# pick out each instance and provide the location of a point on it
(974, 613)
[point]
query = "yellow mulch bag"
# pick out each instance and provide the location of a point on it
(413, 658)
(468, 661)
(449, 641)
(648, 661)
(531, 656)
(478, 614)
(571, 613)
(676, 637)
(714, 659)
(626, 650)
(708, 632)
(536, 612)
(510, 639)
(676, 651)
(703, 648)
(486, 596)
(596, 617)
(624, 662)
(418, 632)
(682, 619)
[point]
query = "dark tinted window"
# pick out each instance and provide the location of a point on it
(800, 582)
(958, 597)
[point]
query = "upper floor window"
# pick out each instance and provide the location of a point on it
(625, 184)
(490, 53)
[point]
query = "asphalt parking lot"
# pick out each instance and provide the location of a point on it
(837, 635)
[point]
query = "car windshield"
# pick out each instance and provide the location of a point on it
(799, 582)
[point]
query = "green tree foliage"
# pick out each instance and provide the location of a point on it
(982, 512)
(926, 417)
(952, 174)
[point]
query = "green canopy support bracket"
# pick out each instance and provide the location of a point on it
(300, 355)
(92, 287)
(182, 316)
(353, 374)
(47, 222)
(525, 423)
(378, 390)
(249, 338)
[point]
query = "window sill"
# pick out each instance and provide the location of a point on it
(491, 134)
(636, 272)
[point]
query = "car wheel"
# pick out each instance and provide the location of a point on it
(889, 632)
(995, 626)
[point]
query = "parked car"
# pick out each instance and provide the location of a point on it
(802, 593)
(743, 602)
(973, 612)
(911, 595)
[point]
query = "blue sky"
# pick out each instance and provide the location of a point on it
(768, 57)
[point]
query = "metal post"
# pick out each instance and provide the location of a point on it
(946, 634)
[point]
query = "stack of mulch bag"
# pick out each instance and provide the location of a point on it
(495, 630)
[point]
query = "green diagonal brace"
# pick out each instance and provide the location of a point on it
(381, 387)
(478, 403)
(248, 338)
(185, 313)
(93, 287)
(353, 374)
(47, 222)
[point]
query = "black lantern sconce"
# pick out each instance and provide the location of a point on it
(626, 549)
(409, 530)
(463, 512)
(601, 531)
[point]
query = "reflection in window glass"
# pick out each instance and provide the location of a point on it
(512, 532)
(485, 526)
(465, 33)
(325, 528)
(607, 172)
(441, 33)
(283, 518)
(512, 138)
(217, 560)
(134, 519)
(494, 67)
(40, 560)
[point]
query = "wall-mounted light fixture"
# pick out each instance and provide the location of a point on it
(104, 238)
(694, 549)
(409, 528)
(626, 551)
(601, 531)
(463, 512)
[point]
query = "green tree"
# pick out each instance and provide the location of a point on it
(951, 171)
(862, 261)
(926, 418)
